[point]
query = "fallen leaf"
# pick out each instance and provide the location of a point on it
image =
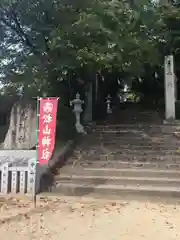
(113, 204)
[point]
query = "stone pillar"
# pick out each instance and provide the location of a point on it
(4, 178)
(176, 89)
(97, 87)
(88, 110)
(31, 181)
(169, 88)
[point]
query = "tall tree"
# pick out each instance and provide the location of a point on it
(45, 41)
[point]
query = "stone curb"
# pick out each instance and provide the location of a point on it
(107, 199)
(46, 173)
(61, 156)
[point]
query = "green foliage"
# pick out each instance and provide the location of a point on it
(110, 35)
(171, 18)
(45, 44)
(44, 41)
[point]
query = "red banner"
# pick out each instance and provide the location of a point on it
(47, 129)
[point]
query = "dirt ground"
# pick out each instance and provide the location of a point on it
(57, 219)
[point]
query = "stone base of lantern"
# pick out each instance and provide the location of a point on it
(80, 128)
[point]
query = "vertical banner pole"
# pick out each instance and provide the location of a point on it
(45, 136)
(36, 160)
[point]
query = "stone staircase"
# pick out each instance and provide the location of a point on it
(123, 160)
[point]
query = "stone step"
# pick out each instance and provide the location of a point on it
(132, 137)
(148, 144)
(75, 189)
(127, 164)
(124, 181)
(134, 141)
(121, 160)
(137, 135)
(140, 138)
(131, 128)
(117, 145)
(133, 151)
(135, 126)
(123, 172)
(129, 158)
(127, 150)
(143, 157)
(129, 132)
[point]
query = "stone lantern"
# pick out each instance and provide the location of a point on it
(77, 109)
(108, 104)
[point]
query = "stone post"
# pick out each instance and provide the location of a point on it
(31, 176)
(169, 88)
(14, 182)
(88, 110)
(4, 178)
(22, 182)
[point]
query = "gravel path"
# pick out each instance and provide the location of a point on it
(102, 221)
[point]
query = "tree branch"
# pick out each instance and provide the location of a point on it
(22, 33)
(10, 19)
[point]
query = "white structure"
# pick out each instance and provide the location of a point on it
(77, 102)
(17, 170)
(12, 182)
(108, 103)
(170, 91)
